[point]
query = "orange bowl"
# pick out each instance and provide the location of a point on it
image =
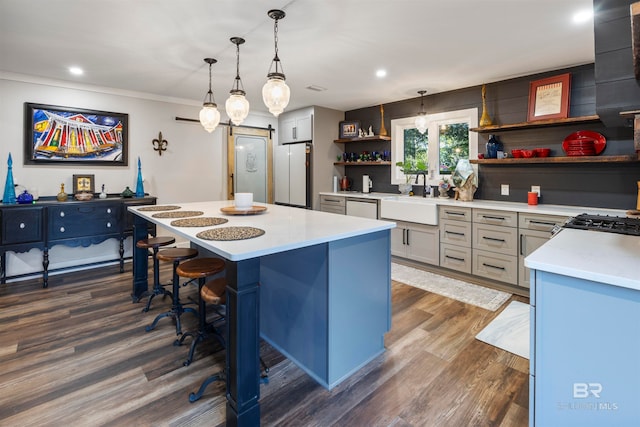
(542, 152)
(528, 153)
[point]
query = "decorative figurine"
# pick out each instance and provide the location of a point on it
(139, 184)
(9, 197)
(103, 194)
(370, 131)
(127, 193)
(62, 196)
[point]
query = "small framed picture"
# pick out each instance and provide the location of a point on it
(83, 184)
(549, 98)
(349, 129)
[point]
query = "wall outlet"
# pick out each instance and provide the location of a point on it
(536, 189)
(504, 190)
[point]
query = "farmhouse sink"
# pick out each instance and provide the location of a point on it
(411, 209)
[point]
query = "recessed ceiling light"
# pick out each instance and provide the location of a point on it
(76, 71)
(583, 16)
(381, 73)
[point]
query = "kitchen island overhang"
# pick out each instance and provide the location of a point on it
(317, 286)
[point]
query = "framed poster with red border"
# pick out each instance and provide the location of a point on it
(549, 98)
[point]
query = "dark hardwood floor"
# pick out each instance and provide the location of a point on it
(76, 354)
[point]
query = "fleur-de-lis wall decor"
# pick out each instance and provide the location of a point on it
(160, 144)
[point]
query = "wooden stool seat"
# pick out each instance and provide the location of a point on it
(200, 268)
(175, 255)
(155, 243)
(214, 291)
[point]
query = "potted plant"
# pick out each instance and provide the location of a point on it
(409, 168)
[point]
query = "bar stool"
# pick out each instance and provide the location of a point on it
(155, 243)
(198, 268)
(214, 292)
(175, 255)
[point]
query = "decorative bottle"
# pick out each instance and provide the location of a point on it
(139, 184)
(62, 195)
(493, 146)
(9, 197)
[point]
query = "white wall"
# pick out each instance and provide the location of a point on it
(193, 168)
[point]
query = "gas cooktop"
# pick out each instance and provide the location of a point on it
(612, 224)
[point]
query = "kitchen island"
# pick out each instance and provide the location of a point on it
(316, 286)
(585, 330)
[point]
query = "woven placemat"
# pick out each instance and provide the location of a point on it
(178, 214)
(159, 208)
(198, 222)
(230, 233)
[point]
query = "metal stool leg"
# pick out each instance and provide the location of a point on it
(157, 287)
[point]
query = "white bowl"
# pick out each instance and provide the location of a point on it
(243, 200)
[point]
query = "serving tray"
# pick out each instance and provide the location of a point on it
(232, 210)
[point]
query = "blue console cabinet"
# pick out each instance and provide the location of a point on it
(71, 223)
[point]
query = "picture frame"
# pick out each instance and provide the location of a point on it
(66, 135)
(549, 98)
(349, 129)
(84, 184)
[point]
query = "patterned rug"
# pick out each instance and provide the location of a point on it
(469, 293)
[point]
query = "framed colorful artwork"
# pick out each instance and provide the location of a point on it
(65, 135)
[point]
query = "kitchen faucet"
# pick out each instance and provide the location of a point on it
(424, 182)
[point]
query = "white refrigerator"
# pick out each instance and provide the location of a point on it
(293, 175)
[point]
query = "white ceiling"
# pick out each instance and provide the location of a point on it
(157, 47)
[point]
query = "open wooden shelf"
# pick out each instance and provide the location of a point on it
(364, 139)
(372, 163)
(537, 124)
(569, 159)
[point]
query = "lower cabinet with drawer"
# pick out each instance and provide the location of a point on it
(72, 223)
(533, 231)
(495, 245)
(455, 238)
(333, 204)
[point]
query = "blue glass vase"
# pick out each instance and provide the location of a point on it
(139, 184)
(9, 197)
(493, 146)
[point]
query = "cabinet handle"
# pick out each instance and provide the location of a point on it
(295, 133)
(543, 223)
(521, 244)
(454, 258)
(404, 238)
(408, 237)
(62, 229)
(22, 225)
(493, 239)
(499, 218)
(332, 200)
(454, 233)
(454, 213)
(62, 214)
(108, 225)
(109, 210)
(493, 266)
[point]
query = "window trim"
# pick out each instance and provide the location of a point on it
(434, 121)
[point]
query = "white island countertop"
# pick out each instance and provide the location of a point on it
(598, 256)
(285, 228)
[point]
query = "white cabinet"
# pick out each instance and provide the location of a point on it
(418, 242)
(333, 204)
(494, 245)
(362, 208)
(295, 126)
(455, 238)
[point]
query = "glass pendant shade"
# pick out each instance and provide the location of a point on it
(275, 94)
(421, 123)
(237, 108)
(209, 116)
(421, 119)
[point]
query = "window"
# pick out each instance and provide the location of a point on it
(446, 140)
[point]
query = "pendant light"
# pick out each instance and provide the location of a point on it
(275, 93)
(421, 120)
(237, 105)
(209, 115)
